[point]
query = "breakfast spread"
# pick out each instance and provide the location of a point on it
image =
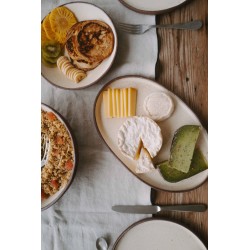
(86, 43)
(158, 106)
(119, 102)
(58, 167)
(137, 133)
(74, 74)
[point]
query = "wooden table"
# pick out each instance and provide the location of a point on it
(183, 69)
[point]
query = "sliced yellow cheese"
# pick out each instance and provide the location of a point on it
(105, 103)
(113, 103)
(132, 101)
(110, 108)
(121, 104)
(117, 102)
(125, 102)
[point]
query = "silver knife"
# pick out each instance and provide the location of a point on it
(151, 209)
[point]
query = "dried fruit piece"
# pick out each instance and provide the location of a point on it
(44, 37)
(61, 20)
(48, 29)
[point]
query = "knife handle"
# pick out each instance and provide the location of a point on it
(185, 208)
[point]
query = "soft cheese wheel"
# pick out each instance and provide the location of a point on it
(158, 106)
(136, 130)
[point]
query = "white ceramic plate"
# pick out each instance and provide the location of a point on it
(54, 198)
(158, 234)
(83, 11)
(152, 6)
(182, 115)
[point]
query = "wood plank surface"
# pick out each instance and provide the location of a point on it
(182, 68)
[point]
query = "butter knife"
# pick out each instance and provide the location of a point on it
(151, 209)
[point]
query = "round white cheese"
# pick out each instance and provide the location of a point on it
(158, 106)
(139, 131)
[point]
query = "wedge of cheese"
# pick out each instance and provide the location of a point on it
(144, 163)
(139, 130)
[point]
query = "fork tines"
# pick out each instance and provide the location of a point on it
(130, 28)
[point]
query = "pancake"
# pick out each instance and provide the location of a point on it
(90, 41)
(81, 64)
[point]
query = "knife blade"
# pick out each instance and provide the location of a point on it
(151, 209)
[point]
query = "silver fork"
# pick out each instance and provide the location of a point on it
(45, 146)
(142, 28)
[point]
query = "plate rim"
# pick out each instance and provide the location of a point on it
(113, 30)
(98, 131)
(155, 12)
(155, 219)
(76, 153)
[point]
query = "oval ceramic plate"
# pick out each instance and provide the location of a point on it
(83, 11)
(158, 234)
(182, 115)
(152, 7)
(54, 198)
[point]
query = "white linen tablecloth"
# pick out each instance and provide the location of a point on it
(84, 213)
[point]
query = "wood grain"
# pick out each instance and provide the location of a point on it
(182, 68)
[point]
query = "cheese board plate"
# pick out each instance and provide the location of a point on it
(152, 7)
(182, 115)
(83, 12)
(158, 234)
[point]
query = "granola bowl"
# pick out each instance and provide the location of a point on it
(59, 169)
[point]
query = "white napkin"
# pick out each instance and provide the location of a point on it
(84, 213)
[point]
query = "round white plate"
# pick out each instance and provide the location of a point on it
(158, 234)
(152, 6)
(54, 198)
(83, 11)
(182, 115)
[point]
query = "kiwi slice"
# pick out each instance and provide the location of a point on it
(51, 49)
(51, 59)
(48, 64)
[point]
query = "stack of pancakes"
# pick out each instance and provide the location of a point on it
(89, 43)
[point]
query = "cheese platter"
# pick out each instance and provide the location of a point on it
(141, 138)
